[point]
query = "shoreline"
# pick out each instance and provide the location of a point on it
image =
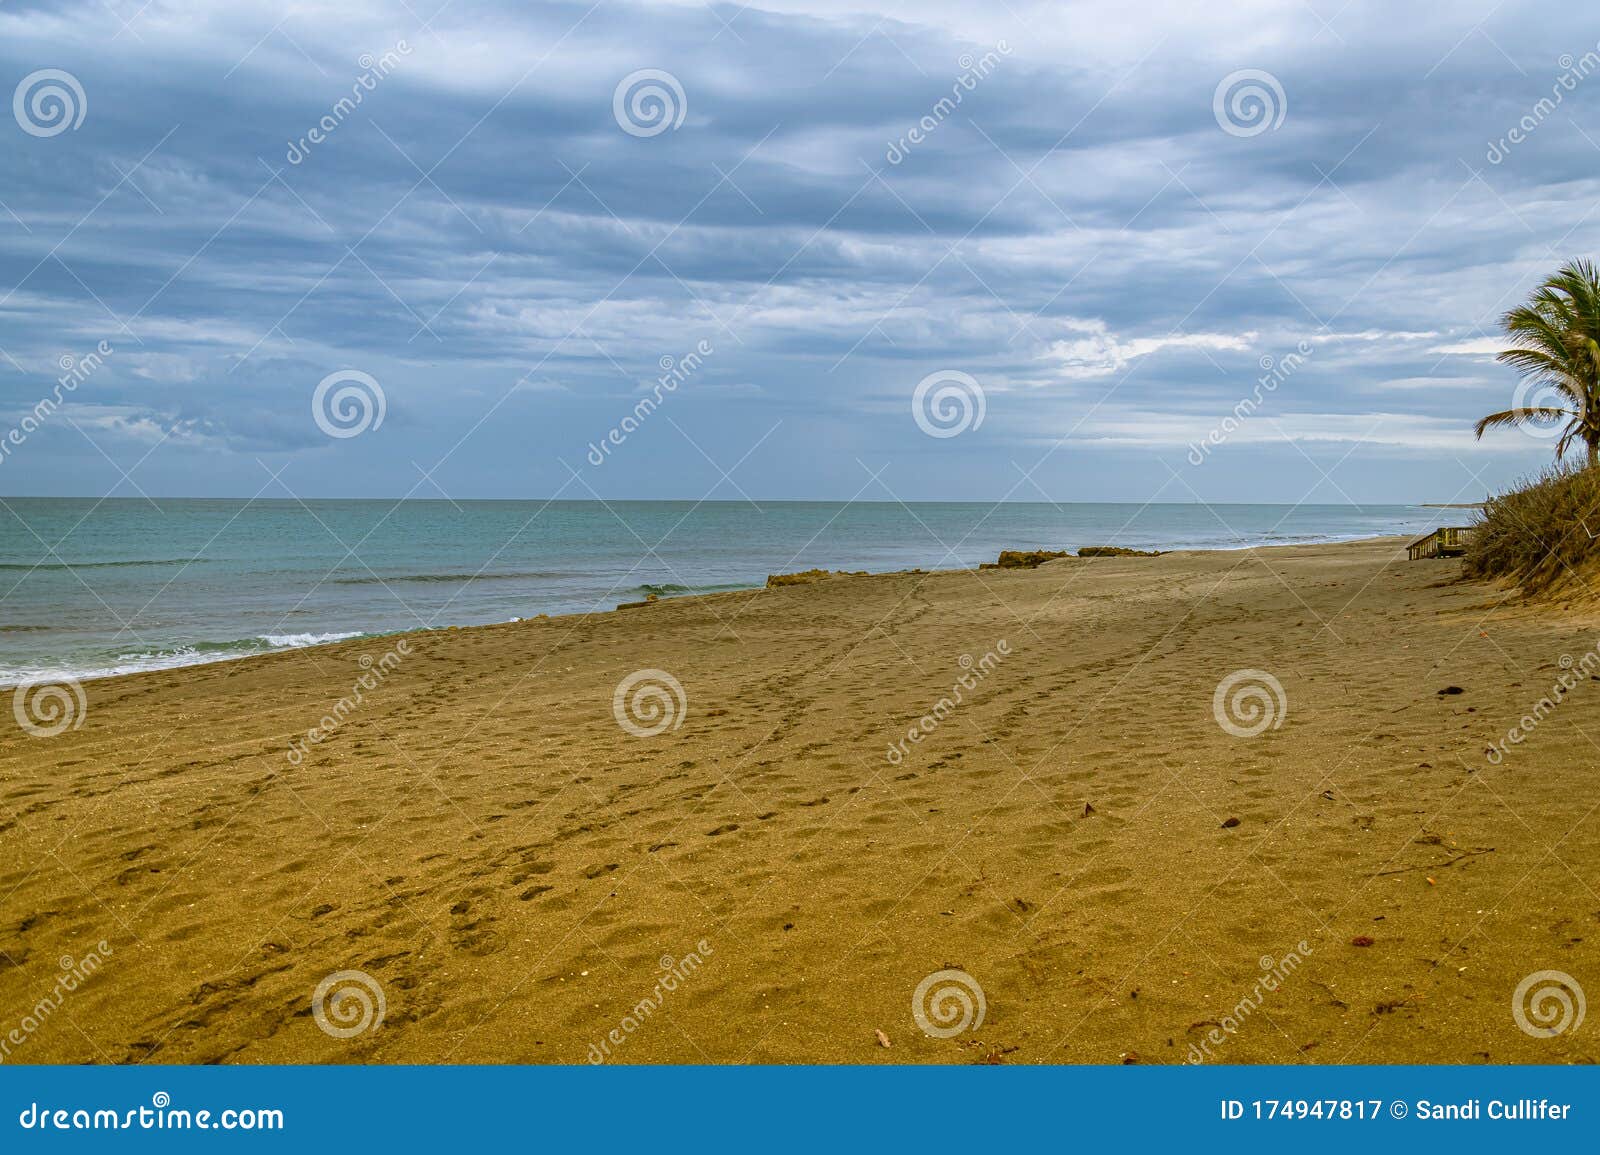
(496, 830)
(60, 673)
(499, 834)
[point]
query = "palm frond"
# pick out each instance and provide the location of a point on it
(1570, 435)
(1536, 328)
(1554, 341)
(1535, 363)
(1517, 418)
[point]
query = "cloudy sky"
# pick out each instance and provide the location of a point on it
(1098, 225)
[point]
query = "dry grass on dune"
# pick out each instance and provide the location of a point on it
(1543, 535)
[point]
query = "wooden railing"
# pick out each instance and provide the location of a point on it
(1446, 541)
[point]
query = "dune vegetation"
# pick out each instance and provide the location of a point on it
(1542, 533)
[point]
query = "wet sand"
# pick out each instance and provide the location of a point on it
(525, 880)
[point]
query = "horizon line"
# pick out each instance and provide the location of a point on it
(150, 498)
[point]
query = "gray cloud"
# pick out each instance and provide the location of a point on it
(1077, 232)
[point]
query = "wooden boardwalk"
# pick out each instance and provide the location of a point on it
(1446, 541)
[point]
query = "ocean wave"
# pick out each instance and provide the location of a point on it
(673, 589)
(170, 658)
(62, 565)
(1265, 540)
(399, 579)
(295, 641)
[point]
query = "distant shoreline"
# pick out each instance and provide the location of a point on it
(230, 578)
(212, 654)
(294, 502)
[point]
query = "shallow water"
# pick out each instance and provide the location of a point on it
(95, 588)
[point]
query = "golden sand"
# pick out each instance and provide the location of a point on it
(523, 879)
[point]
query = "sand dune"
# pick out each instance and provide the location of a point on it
(524, 880)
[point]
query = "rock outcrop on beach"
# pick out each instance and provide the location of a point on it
(1024, 559)
(1032, 558)
(1116, 551)
(806, 577)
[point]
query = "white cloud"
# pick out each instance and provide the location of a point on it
(1442, 384)
(1409, 431)
(1374, 335)
(1473, 347)
(1100, 352)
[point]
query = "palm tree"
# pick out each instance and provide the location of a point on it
(1556, 346)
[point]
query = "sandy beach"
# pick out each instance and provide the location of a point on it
(517, 871)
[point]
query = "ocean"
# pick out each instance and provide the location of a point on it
(96, 588)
